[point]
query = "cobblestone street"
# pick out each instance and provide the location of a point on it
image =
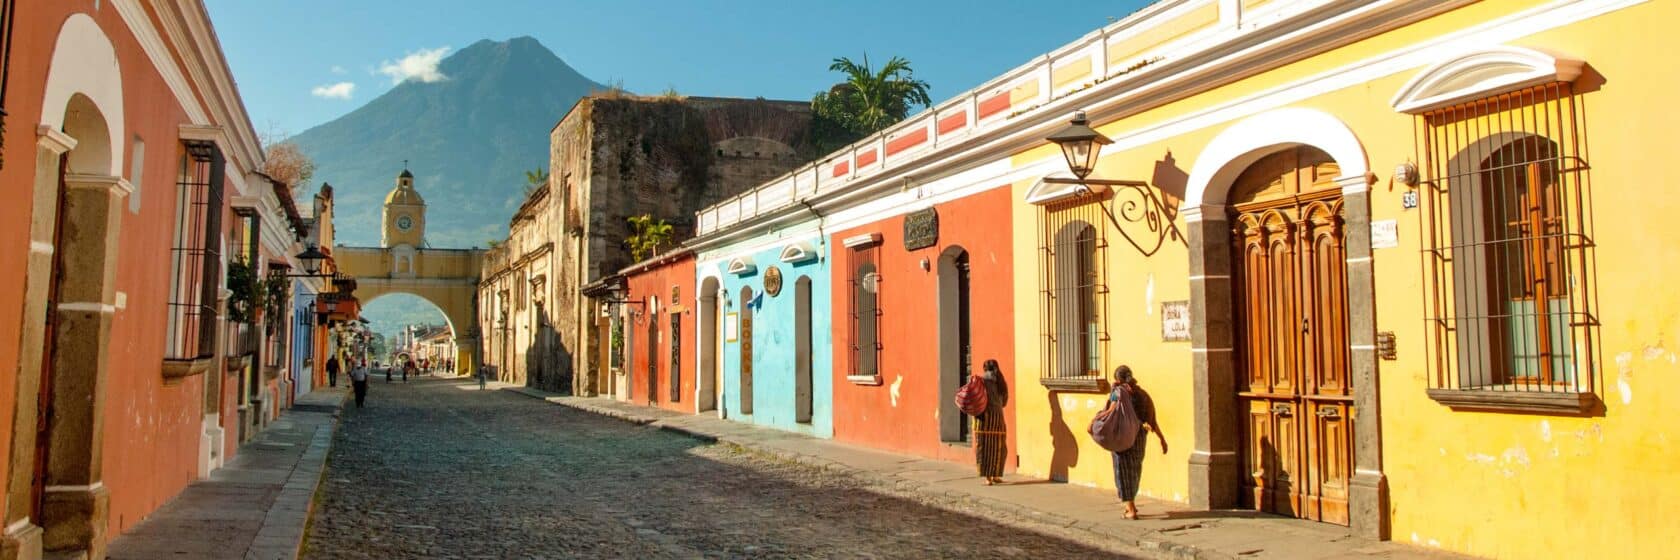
(438, 469)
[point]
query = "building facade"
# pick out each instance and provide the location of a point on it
(649, 361)
(1358, 253)
(616, 156)
(134, 165)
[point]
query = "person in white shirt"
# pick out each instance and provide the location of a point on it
(359, 381)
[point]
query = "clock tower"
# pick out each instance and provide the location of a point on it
(404, 215)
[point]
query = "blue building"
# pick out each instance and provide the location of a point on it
(765, 350)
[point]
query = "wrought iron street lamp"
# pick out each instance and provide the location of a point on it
(1081, 146)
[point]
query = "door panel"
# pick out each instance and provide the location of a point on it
(1292, 341)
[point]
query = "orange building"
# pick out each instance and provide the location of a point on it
(651, 327)
(126, 152)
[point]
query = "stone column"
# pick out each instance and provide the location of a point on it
(22, 538)
(1215, 469)
(1368, 491)
(77, 503)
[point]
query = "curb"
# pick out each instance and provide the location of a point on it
(303, 486)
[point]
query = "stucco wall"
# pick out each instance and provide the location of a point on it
(902, 414)
(655, 285)
(773, 343)
(1479, 482)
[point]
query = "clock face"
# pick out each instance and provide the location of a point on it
(404, 222)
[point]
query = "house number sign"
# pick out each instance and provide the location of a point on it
(921, 229)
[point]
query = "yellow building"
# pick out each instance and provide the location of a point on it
(1375, 277)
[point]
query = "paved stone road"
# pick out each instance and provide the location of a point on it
(436, 470)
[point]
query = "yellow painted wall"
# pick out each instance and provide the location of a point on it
(1495, 484)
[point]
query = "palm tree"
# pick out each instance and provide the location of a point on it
(535, 179)
(870, 100)
(648, 234)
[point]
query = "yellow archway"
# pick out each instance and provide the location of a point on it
(447, 278)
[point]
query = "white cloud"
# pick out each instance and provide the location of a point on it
(336, 69)
(341, 90)
(419, 65)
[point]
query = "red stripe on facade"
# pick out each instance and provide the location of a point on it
(994, 105)
(902, 143)
(953, 122)
(866, 158)
(841, 168)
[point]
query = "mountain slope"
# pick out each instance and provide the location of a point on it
(468, 139)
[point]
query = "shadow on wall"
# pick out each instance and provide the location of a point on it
(1172, 181)
(1065, 446)
(547, 363)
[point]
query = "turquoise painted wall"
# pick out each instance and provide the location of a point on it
(773, 343)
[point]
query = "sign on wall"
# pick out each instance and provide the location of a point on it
(1385, 234)
(731, 326)
(921, 229)
(1175, 321)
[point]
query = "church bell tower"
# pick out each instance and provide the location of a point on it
(404, 215)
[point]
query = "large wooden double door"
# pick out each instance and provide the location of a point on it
(1292, 345)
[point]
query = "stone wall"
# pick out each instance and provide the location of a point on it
(613, 157)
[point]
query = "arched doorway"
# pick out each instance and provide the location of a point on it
(956, 360)
(1278, 215)
(1290, 279)
(711, 318)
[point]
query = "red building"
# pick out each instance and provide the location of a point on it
(928, 292)
(653, 327)
(126, 151)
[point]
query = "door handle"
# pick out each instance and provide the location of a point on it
(1280, 409)
(1306, 325)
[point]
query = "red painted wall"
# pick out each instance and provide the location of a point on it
(909, 329)
(657, 282)
(151, 429)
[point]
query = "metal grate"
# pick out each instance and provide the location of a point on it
(196, 272)
(1072, 279)
(1508, 247)
(865, 288)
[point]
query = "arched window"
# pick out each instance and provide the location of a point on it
(1074, 292)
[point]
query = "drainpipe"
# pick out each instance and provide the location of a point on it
(822, 237)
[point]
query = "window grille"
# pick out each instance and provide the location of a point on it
(195, 275)
(865, 289)
(1072, 279)
(1508, 246)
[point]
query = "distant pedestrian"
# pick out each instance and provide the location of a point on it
(483, 376)
(408, 367)
(990, 432)
(1128, 464)
(359, 381)
(387, 371)
(332, 371)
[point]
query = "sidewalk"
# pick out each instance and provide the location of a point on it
(1168, 529)
(255, 506)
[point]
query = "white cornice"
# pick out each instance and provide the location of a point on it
(134, 15)
(1481, 73)
(51, 139)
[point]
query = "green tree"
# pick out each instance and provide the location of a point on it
(868, 101)
(647, 235)
(535, 179)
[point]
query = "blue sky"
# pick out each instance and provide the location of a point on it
(292, 58)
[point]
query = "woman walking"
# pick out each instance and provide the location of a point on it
(990, 442)
(1128, 464)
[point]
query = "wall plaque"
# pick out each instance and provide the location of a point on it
(773, 281)
(1175, 321)
(921, 229)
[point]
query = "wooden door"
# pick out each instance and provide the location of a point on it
(965, 347)
(49, 347)
(653, 360)
(1291, 306)
(746, 351)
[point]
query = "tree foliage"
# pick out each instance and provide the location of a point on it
(647, 235)
(868, 101)
(287, 164)
(535, 179)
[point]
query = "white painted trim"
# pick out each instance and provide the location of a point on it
(53, 140)
(797, 252)
(18, 525)
(1362, 347)
(1210, 350)
(1195, 277)
(741, 266)
(84, 63)
(1480, 73)
(1255, 137)
(860, 240)
(117, 185)
(134, 15)
(76, 487)
(40, 247)
(1355, 260)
